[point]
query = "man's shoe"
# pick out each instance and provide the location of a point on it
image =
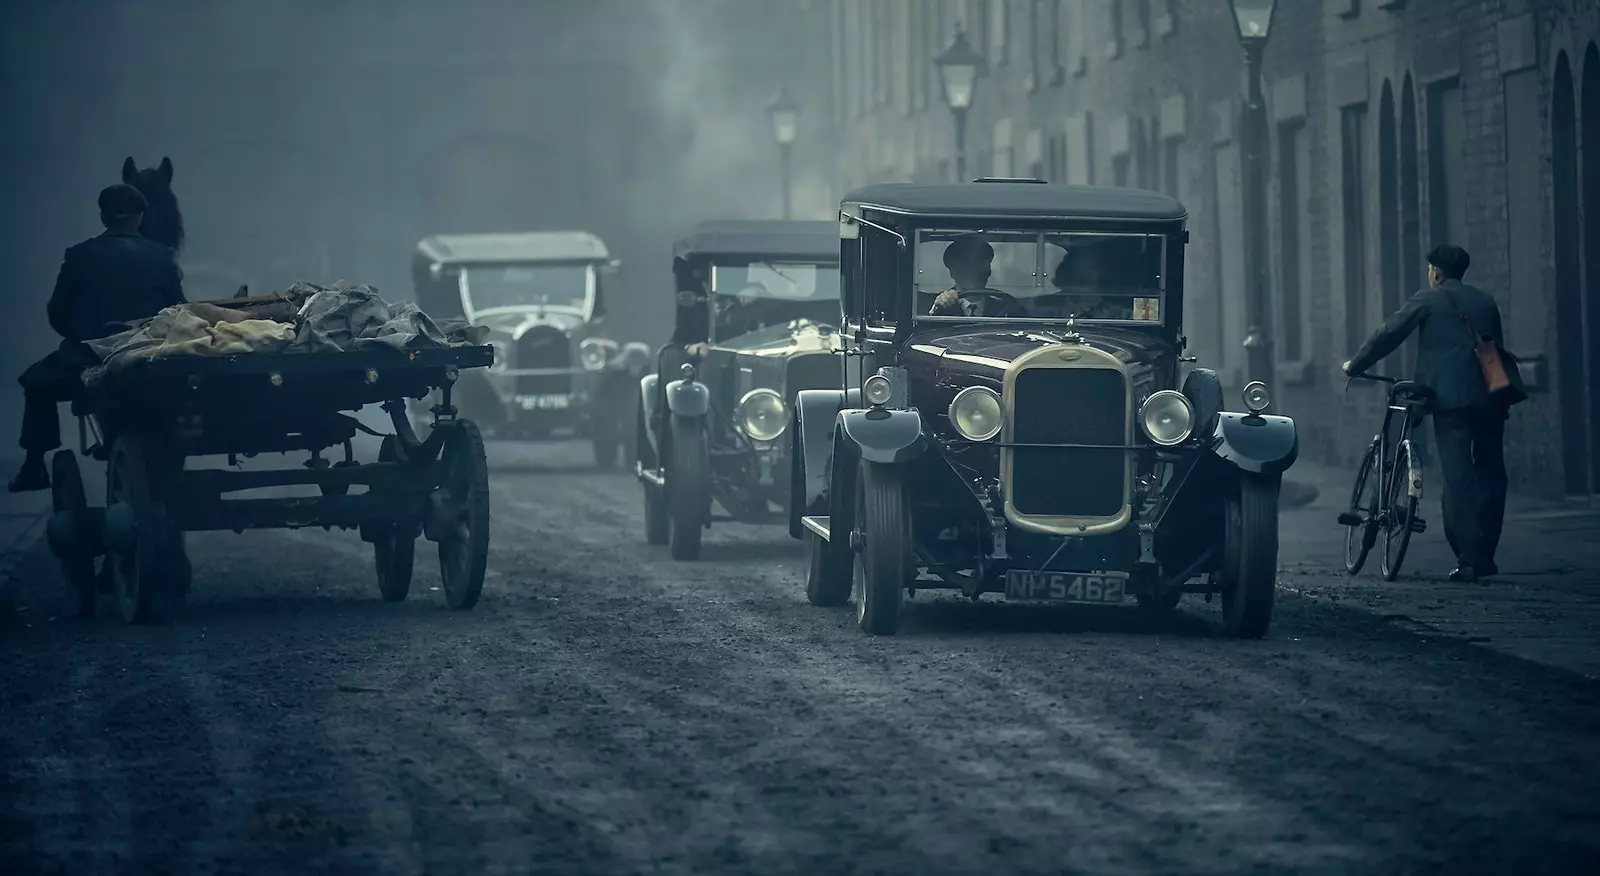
(1487, 568)
(32, 478)
(1464, 574)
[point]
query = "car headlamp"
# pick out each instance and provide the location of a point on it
(1167, 417)
(1256, 397)
(975, 413)
(502, 357)
(594, 353)
(761, 415)
(877, 390)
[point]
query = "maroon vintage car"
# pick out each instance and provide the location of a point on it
(1019, 417)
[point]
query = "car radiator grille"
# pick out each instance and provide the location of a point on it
(813, 371)
(1086, 406)
(543, 347)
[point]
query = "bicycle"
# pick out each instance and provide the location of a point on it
(1388, 503)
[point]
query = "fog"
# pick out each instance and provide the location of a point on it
(320, 139)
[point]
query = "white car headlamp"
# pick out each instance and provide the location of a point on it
(1167, 418)
(761, 415)
(595, 353)
(975, 413)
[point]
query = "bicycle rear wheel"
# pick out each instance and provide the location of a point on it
(1400, 508)
(1360, 537)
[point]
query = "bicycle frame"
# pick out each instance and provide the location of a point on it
(1409, 411)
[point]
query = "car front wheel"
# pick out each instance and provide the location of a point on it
(883, 556)
(1250, 556)
(688, 484)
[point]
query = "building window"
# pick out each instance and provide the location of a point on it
(1447, 195)
(1138, 23)
(1037, 51)
(978, 28)
(1171, 161)
(1000, 32)
(1294, 256)
(1353, 137)
(1113, 19)
(1119, 170)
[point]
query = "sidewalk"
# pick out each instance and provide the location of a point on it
(1544, 606)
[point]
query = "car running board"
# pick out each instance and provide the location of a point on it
(819, 525)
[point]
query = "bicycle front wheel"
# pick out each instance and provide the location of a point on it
(1360, 537)
(1401, 496)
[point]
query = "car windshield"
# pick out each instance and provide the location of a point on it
(746, 297)
(968, 274)
(493, 287)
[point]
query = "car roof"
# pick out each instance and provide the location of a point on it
(802, 239)
(522, 246)
(1025, 200)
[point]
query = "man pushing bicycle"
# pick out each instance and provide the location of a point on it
(1459, 336)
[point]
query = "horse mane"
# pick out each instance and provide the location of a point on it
(163, 220)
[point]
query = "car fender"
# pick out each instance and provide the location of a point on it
(811, 451)
(1256, 444)
(883, 436)
(1204, 391)
(688, 398)
(650, 407)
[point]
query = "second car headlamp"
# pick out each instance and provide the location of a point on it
(975, 413)
(1167, 417)
(761, 415)
(594, 353)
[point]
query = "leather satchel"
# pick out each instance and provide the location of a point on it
(1502, 391)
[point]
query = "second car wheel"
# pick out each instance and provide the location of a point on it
(1250, 557)
(688, 487)
(882, 551)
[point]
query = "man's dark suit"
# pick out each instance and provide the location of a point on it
(1468, 429)
(104, 281)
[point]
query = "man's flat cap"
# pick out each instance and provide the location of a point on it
(968, 246)
(121, 200)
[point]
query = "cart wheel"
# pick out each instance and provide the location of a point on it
(76, 558)
(137, 562)
(395, 548)
(464, 552)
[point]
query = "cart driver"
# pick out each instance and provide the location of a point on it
(106, 281)
(969, 258)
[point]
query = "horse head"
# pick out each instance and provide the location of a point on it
(162, 219)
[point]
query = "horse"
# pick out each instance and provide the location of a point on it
(162, 220)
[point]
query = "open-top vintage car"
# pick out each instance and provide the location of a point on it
(541, 294)
(757, 317)
(1014, 419)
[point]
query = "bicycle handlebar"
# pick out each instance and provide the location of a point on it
(1376, 378)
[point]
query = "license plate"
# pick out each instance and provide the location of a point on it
(1096, 588)
(556, 402)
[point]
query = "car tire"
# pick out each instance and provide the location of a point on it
(1250, 556)
(828, 578)
(657, 517)
(688, 485)
(883, 559)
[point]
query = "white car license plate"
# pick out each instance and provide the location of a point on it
(1089, 587)
(555, 402)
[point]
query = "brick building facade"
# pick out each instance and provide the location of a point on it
(1395, 124)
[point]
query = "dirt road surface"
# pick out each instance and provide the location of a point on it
(606, 710)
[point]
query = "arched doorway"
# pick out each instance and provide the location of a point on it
(1389, 202)
(1410, 197)
(1569, 295)
(1589, 160)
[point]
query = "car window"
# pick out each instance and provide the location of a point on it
(751, 296)
(553, 285)
(1012, 275)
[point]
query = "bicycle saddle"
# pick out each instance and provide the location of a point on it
(1410, 390)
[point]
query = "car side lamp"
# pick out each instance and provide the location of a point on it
(1257, 398)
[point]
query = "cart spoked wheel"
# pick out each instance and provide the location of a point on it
(1250, 557)
(883, 565)
(138, 552)
(464, 491)
(394, 549)
(77, 555)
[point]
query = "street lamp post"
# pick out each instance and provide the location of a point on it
(1254, 20)
(785, 114)
(958, 67)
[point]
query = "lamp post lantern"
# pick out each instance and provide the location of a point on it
(1254, 20)
(959, 65)
(785, 113)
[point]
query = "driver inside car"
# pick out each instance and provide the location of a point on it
(969, 259)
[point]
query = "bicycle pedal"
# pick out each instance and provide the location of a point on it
(1419, 525)
(1352, 518)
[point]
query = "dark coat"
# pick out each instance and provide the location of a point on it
(113, 278)
(1446, 362)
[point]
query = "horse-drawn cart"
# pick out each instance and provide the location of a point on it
(147, 418)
